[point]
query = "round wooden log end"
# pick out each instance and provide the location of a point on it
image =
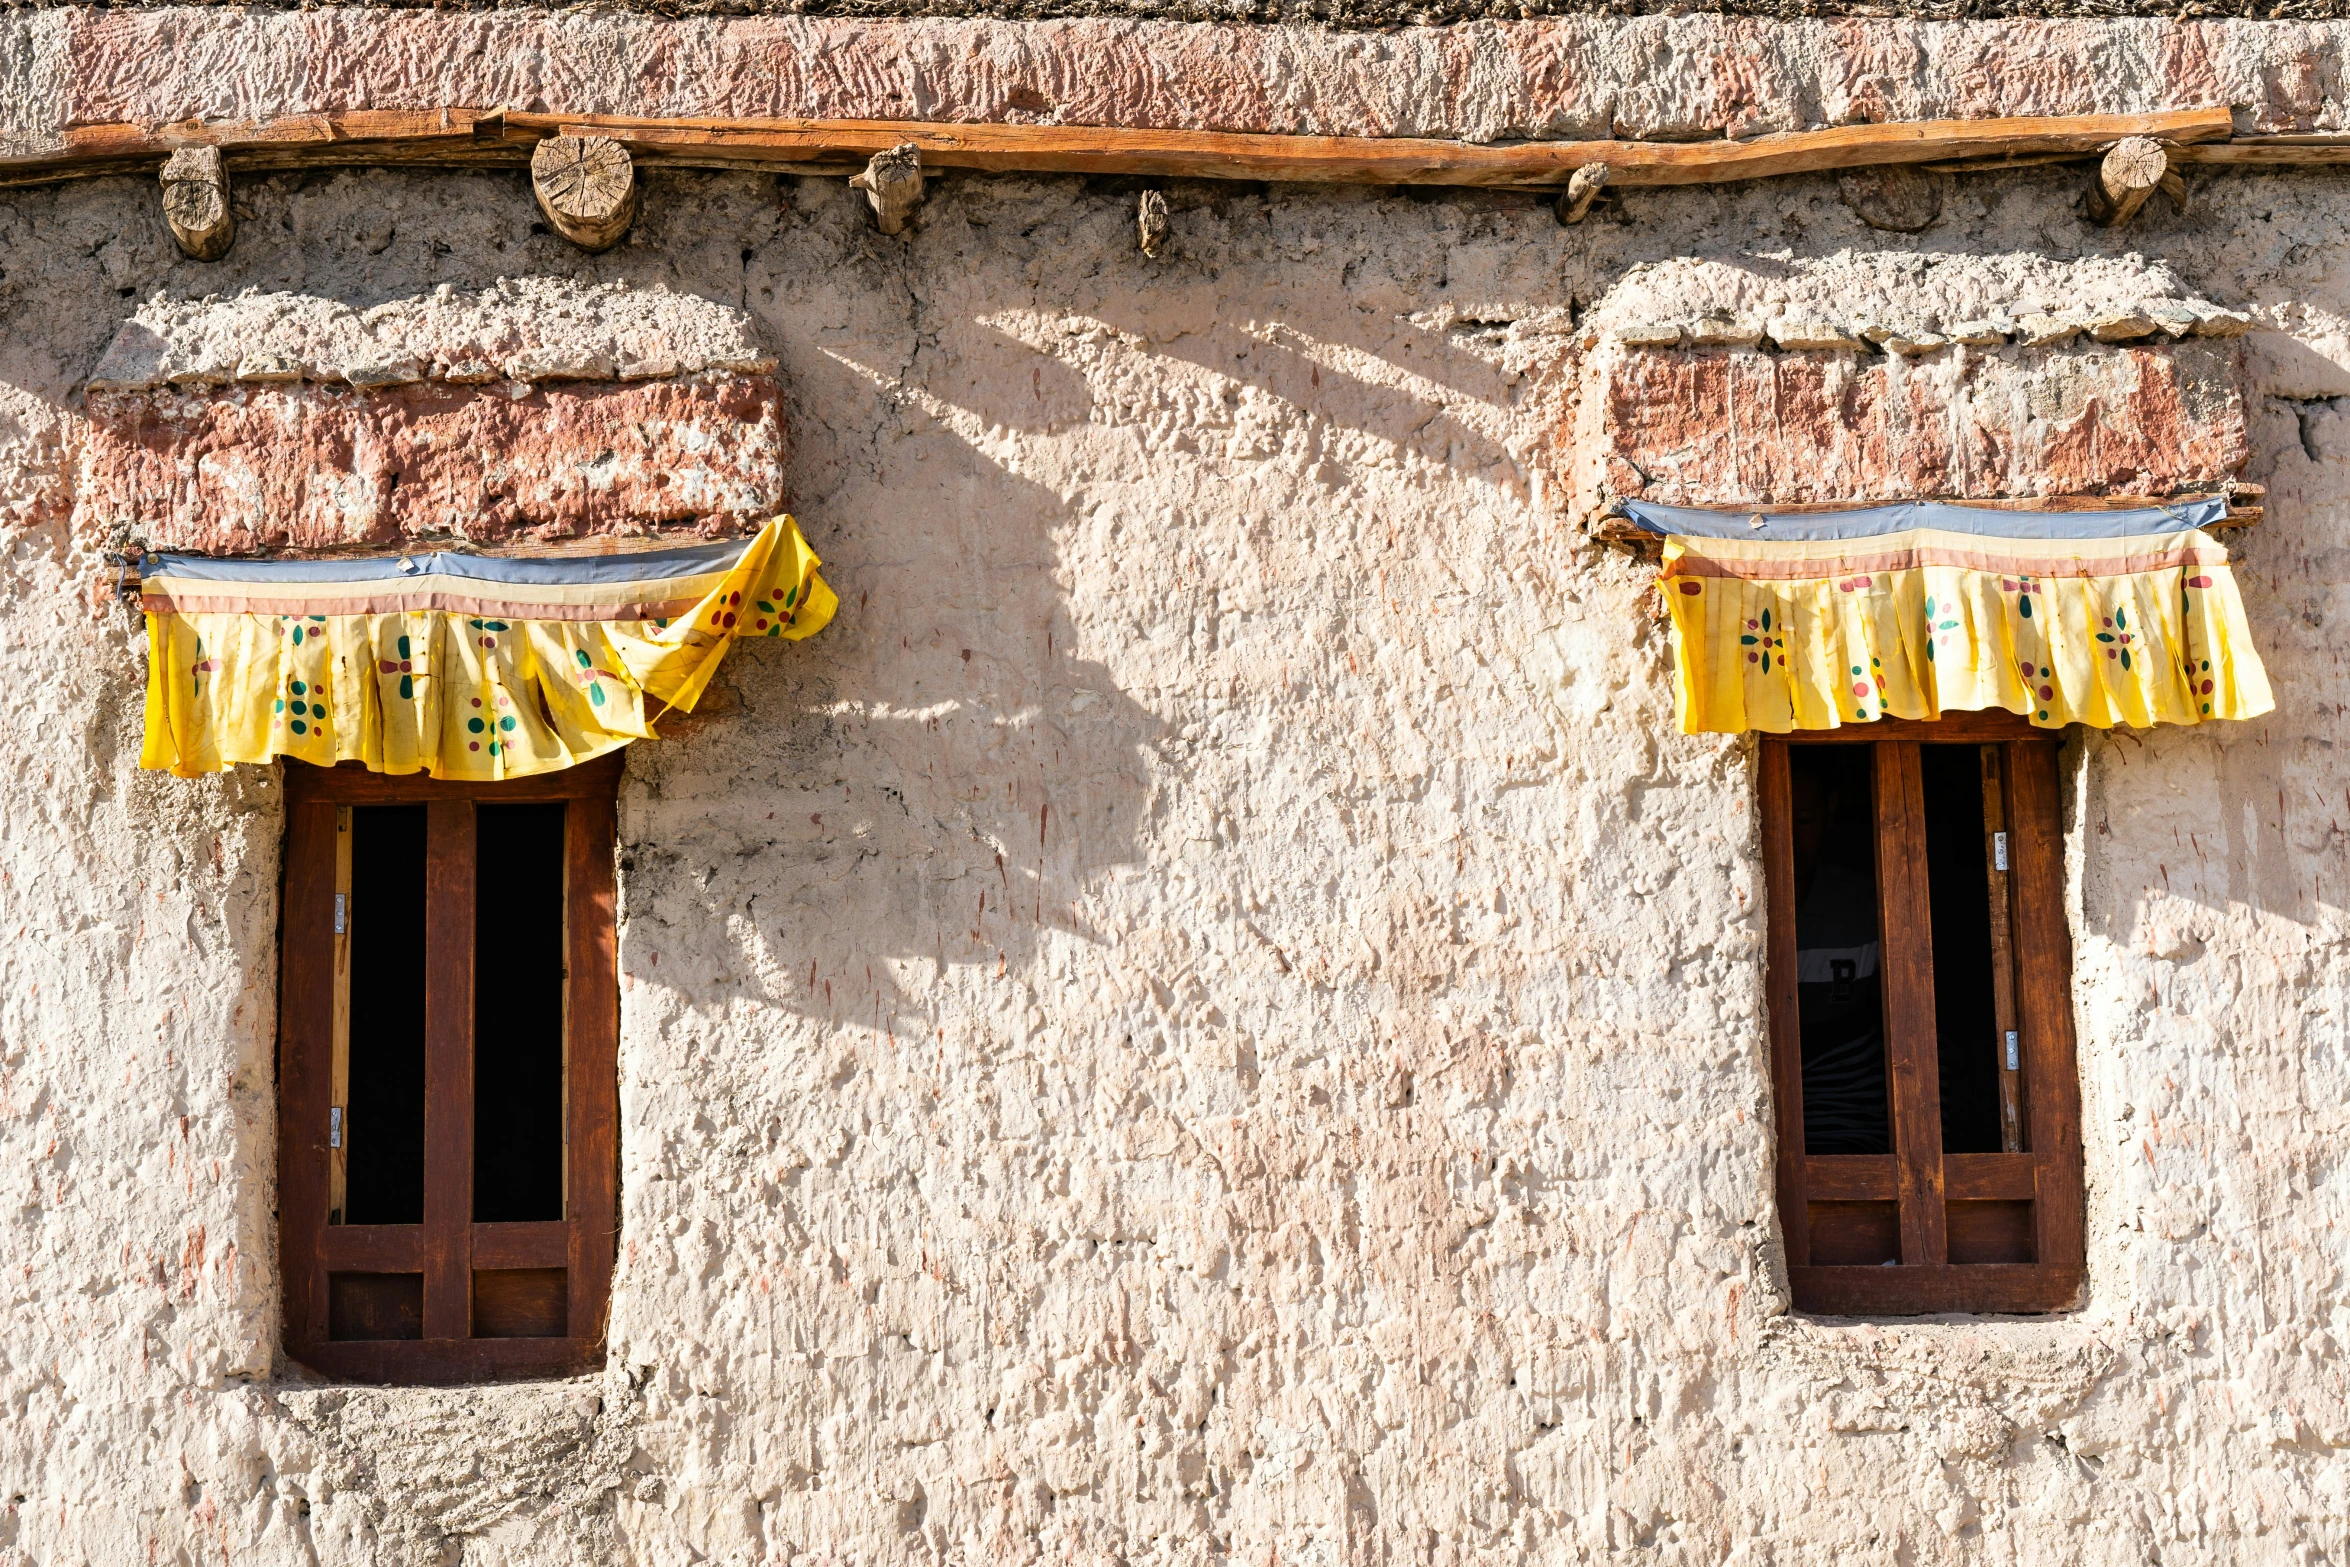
(1896, 197)
(2132, 169)
(586, 186)
(196, 203)
(2135, 163)
(1583, 188)
(892, 182)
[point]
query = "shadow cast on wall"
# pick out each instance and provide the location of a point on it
(934, 782)
(2247, 820)
(942, 779)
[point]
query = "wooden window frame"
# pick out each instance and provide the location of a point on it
(1918, 1176)
(447, 1247)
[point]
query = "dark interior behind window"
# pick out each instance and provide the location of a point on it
(518, 1014)
(383, 1129)
(1839, 992)
(1966, 1025)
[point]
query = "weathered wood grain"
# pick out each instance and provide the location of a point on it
(469, 136)
(196, 203)
(2134, 170)
(586, 186)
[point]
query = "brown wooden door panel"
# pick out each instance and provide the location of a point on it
(1778, 845)
(1990, 1175)
(1864, 1234)
(593, 1149)
(1903, 1291)
(374, 1306)
(448, 1069)
(1850, 1177)
(522, 1245)
(376, 1248)
(519, 1303)
(1998, 1231)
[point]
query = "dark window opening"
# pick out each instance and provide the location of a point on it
(382, 1130)
(1966, 1012)
(1838, 995)
(518, 1014)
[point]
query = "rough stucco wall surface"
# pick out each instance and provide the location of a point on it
(1209, 1016)
(1671, 78)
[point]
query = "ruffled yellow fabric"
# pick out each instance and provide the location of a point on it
(1785, 636)
(450, 693)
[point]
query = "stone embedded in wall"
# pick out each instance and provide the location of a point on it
(534, 410)
(2166, 319)
(1731, 427)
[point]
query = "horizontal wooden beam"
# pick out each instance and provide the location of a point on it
(2286, 152)
(1981, 1287)
(1966, 1177)
(436, 138)
(1062, 149)
(2272, 152)
(1966, 726)
(2004, 164)
(470, 137)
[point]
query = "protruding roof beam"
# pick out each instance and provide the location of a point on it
(586, 185)
(892, 181)
(1583, 189)
(195, 203)
(2134, 170)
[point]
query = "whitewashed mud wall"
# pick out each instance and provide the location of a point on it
(1210, 1016)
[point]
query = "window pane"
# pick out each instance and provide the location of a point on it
(518, 1014)
(1838, 1001)
(1966, 1017)
(383, 1125)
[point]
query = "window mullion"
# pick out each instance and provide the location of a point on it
(448, 1070)
(1906, 960)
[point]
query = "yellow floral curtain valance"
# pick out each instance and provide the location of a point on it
(461, 666)
(1814, 621)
